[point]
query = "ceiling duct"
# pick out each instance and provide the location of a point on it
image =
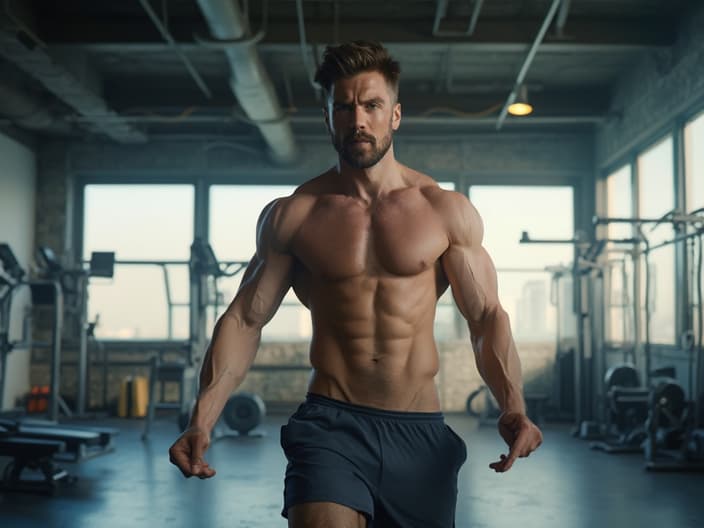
(36, 62)
(26, 111)
(249, 81)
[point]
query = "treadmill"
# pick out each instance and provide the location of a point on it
(35, 446)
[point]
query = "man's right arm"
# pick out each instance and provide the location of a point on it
(238, 331)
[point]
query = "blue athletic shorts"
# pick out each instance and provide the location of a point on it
(399, 469)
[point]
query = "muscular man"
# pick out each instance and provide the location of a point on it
(369, 246)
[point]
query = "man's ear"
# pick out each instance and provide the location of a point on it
(396, 116)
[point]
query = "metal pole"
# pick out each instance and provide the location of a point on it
(169, 302)
(57, 330)
(82, 288)
(5, 307)
(669, 219)
(170, 40)
(579, 352)
(527, 62)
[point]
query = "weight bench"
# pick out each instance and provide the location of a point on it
(36, 445)
(33, 454)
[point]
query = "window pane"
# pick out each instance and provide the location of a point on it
(620, 323)
(525, 295)
(506, 212)
(139, 222)
(146, 223)
(694, 162)
(234, 210)
(619, 205)
(694, 171)
(619, 202)
(657, 197)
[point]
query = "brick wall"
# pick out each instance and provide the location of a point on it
(662, 85)
(456, 379)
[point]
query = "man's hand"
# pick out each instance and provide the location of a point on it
(187, 453)
(522, 436)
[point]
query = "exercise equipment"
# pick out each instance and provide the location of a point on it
(204, 272)
(628, 405)
(577, 365)
(674, 420)
(74, 288)
(35, 445)
(242, 414)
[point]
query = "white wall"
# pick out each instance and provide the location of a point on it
(17, 202)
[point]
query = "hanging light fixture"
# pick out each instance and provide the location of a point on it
(521, 106)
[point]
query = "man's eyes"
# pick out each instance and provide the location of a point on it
(339, 107)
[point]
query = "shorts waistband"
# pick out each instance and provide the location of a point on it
(413, 416)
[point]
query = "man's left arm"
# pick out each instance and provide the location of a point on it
(472, 277)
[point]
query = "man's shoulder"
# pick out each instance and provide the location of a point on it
(321, 184)
(460, 217)
(285, 215)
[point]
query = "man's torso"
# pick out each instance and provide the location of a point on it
(370, 273)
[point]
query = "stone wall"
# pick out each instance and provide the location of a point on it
(281, 372)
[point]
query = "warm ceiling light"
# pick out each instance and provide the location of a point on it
(521, 106)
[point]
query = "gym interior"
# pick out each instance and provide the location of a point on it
(140, 140)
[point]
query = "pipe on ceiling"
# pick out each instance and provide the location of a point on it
(67, 87)
(27, 112)
(249, 80)
(441, 11)
(527, 62)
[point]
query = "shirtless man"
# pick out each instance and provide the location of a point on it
(369, 246)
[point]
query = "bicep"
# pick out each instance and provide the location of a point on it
(264, 285)
(472, 277)
(267, 277)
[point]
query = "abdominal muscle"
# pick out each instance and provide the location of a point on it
(373, 342)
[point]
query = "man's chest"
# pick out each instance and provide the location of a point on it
(339, 240)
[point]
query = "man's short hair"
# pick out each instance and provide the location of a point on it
(351, 58)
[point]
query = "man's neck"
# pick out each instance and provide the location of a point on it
(369, 184)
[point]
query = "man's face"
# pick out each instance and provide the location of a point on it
(362, 115)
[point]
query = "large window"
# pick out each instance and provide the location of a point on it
(234, 210)
(140, 223)
(524, 285)
(694, 163)
(656, 197)
(619, 204)
(694, 190)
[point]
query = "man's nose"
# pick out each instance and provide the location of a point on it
(359, 117)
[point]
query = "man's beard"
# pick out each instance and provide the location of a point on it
(354, 155)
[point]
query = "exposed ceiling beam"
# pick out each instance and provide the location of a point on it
(458, 47)
(629, 31)
(66, 86)
(130, 94)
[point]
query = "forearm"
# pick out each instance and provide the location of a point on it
(497, 360)
(227, 360)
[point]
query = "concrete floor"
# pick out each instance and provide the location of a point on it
(563, 485)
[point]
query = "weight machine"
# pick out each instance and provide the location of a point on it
(243, 411)
(35, 446)
(672, 433)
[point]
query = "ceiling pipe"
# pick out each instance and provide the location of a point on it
(441, 11)
(249, 81)
(166, 35)
(527, 62)
(27, 112)
(562, 18)
(310, 70)
(67, 87)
